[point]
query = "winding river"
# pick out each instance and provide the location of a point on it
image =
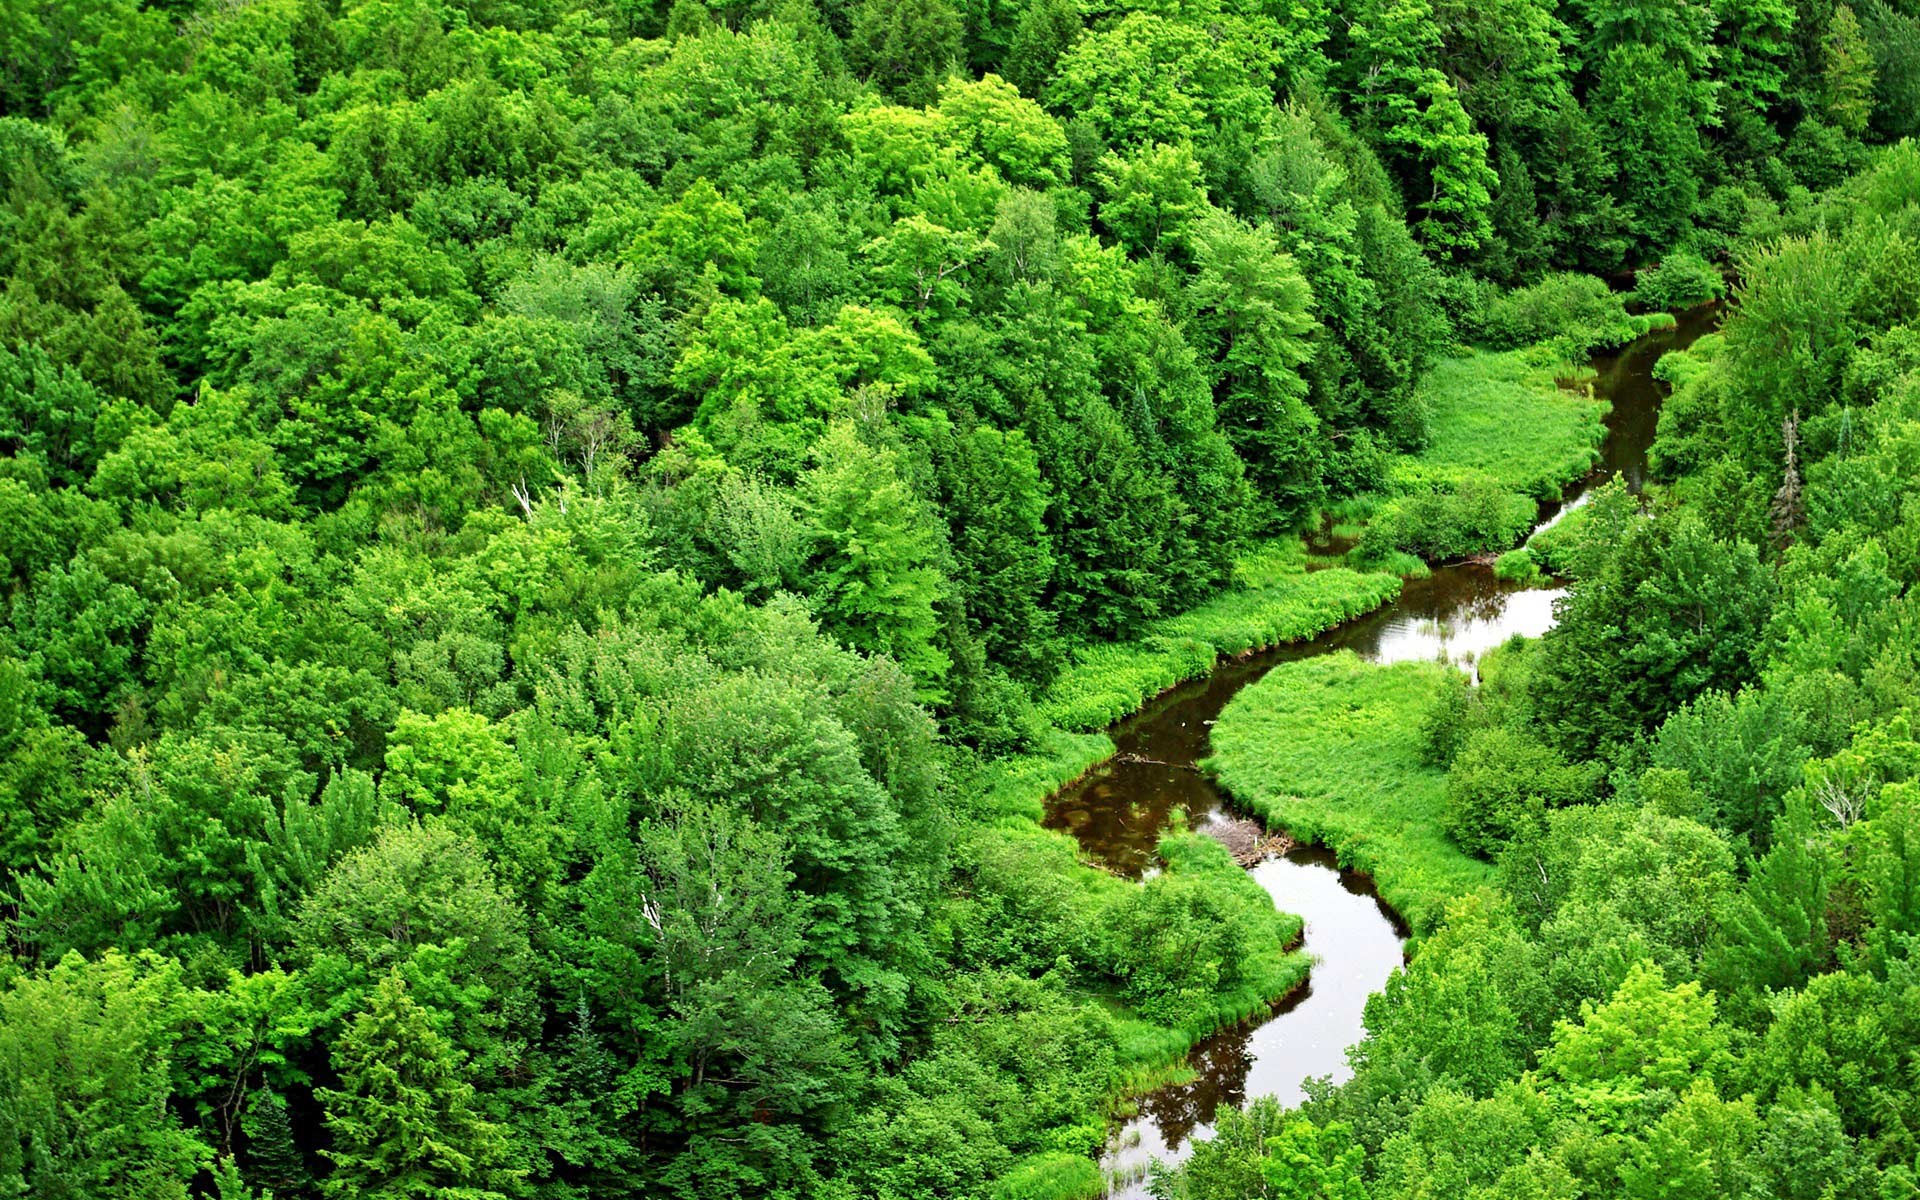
(1119, 811)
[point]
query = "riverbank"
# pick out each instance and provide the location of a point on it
(1276, 600)
(1510, 430)
(1151, 968)
(1329, 749)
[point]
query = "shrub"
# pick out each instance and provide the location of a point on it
(1681, 280)
(1497, 776)
(1577, 314)
(1517, 566)
(1475, 516)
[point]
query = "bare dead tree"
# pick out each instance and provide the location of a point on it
(1789, 510)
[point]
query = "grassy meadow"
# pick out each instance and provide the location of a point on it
(1328, 749)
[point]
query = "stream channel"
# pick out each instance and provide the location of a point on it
(1118, 811)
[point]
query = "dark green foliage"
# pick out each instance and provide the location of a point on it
(1498, 779)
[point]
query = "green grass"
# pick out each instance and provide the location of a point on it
(1017, 788)
(1517, 566)
(1107, 682)
(1502, 415)
(1328, 749)
(1052, 1175)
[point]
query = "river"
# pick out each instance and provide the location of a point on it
(1119, 810)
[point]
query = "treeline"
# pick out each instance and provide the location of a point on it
(521, 518)
(1697, 975)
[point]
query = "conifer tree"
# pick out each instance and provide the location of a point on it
(403, 1121)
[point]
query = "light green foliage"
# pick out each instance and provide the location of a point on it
(85, 1056)
(1847, 72)
(1503, 415)
(1475, 515)
(1517, 566)
(1646, 1035)
(538, 538)
(1329, 750)
(873, 569)
(1308, 1162)
(1498, 779)
(1574, 314)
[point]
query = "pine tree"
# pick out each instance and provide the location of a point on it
(273, 1159)
(403, 1120)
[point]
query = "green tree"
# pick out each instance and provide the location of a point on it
(1258, 310)
(1674, 613)
(85, 1056)
(1646, 1035)
(875, 566)
(1847, 73)
(404, 1120)
(1309, 1162)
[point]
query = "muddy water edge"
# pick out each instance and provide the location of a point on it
(1119, 811)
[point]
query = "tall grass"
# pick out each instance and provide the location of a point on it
(1329, 749)
(1504, 416)
(1107, 682)
(1017, 787)
(1052, 1175)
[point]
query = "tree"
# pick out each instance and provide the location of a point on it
(904, 48)
(1847, 73)
(1415, 114)
(1252, 300)
(1773, 935)
(1647, 1035)
(404, 1120)
(1309, 1162)
(85, 1050)
(1674, 613)
(874, 567)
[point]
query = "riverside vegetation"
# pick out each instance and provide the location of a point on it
(553, 550)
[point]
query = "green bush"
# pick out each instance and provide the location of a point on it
(1052, 1176)
(1681, 280)
(1577, 314)
(1517, 566)
(1475, 516)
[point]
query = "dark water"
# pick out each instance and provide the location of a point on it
(1119, 811)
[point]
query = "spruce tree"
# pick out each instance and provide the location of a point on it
(403, 1121)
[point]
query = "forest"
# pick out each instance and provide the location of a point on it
(557, 552)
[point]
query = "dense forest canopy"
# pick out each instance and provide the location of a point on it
(541, 542)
